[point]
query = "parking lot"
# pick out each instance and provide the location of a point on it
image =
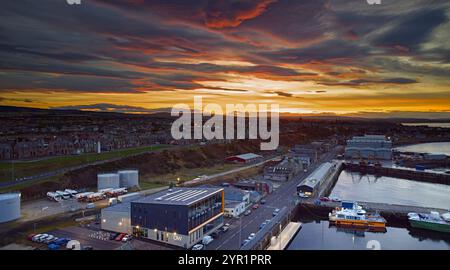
(100, 240)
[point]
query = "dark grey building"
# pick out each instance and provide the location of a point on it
(178, 216)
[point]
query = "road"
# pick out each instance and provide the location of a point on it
(284, 195)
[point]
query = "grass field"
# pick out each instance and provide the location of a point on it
(185, 174)
(34, 167)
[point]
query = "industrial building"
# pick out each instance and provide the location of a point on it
(108, 180)
(9, 207)
(178, 216)
(121, 179)
(306, 153)
(310, 185)
(248, 158)
(263, 187)
(117, 218)
(282, 172)
(128, 178)
(369, 147)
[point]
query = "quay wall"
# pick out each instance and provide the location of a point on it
(438, 178)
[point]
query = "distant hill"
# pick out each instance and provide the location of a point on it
(163, 113)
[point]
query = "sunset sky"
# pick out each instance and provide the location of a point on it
(309, 56)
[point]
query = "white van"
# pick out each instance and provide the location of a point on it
(207, 239)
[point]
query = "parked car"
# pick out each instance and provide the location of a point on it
(30, 236)
(127, 237)
(216, 234)
(248, 212)
(113, 236)
(42, 238)
(324, 199)
(225, 228)
(207, 239)
(119, 238)
(198, 247)
(275, 212)
(263, 202)
(61, 241)
(50, 239)
(251, 236)
(262, 225)
(335, 199)
(36, 237)
(255, 206)
(53, 247)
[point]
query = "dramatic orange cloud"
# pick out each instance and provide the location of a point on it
(221, 14)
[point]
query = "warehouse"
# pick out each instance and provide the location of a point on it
(178, 216)
(310, 185)
(369, 147)
(117, 218)
(248, 158)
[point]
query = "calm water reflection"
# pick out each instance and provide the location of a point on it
(432, 148)
(319, 235)
(369, 188)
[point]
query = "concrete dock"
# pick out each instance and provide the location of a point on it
(281, 241)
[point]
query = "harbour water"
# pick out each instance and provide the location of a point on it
(318, 235)
(369, 188)
(432, 148)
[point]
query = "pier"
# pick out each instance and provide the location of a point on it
(393, 213)
(397, 214)
(286, 236)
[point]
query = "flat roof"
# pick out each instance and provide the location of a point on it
(179, 195)
(119, 207)
(248, 156)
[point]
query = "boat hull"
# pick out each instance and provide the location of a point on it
(430, 226)
(358, 223)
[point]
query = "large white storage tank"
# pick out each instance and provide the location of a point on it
(108, 180)
(9, 207)
(129, 178)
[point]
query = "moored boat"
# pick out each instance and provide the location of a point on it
(432, 221)
(350, 214)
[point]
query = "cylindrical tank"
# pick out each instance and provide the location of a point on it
(108, 180)
(9, 207)
(129, 178)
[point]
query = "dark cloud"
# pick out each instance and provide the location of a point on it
(133, 46)
(360, 82)
(107, 107)
(282, 94)
(413, 29)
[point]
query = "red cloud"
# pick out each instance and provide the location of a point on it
(222, 13)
